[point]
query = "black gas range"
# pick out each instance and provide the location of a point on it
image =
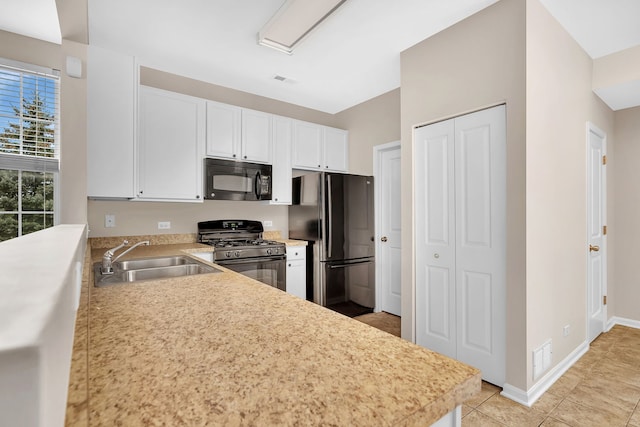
(239, 246)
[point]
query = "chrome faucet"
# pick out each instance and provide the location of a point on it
(107, 258)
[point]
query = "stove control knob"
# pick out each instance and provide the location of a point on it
(227, 254)
(269, 251)
(237, 254)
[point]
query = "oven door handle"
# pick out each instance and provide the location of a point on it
(231, 261)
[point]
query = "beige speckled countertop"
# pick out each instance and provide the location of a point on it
(222, 349)
(276, 235)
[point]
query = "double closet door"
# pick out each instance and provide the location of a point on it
(460, 214)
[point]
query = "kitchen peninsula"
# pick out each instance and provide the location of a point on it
(223, 349)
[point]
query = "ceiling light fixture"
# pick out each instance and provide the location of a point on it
(294, 21)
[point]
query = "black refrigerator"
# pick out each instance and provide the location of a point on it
(335, 213)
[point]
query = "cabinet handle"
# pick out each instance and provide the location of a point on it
(276, 199)
(327, 166)
(245, 157)
(197, 197)
(234, 155)
(289, 265)
(319, 166)
(140, 192)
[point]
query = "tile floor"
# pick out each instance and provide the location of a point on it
(602, 389)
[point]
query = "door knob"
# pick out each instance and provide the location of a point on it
(593, 248)
(384, 239)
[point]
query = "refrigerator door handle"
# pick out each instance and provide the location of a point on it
(329, 235)
(366, 261)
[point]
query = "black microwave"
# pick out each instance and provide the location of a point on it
(230, 180)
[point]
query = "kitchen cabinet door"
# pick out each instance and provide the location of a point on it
(297, 271)
(223, 130)
(336, 149)
(320, 148)
(170, 146)
(256, 141)
(281, 170)
(112, 81)
(307, 145)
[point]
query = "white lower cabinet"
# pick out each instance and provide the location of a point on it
(297, 271)
(206, 256)
(170, 145)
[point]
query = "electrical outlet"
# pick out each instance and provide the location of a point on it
(109, 221)
(164, 225)
(267, 223)
(566, 330)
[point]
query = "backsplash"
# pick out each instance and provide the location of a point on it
(134, 218)
(154, 239)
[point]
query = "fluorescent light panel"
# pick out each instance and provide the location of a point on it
(293, 21)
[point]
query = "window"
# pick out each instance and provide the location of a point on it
(29, 148)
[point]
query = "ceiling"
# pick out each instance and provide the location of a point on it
(352, 57)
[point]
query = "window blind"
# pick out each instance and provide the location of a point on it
(29, 117)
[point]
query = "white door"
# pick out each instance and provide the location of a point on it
(435, 237)
(480, 169)
(388, 252)
(596, 217)
(461, 239)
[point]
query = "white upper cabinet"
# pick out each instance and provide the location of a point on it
(281, 170)
(170, 145)
(336, 149)
(256, 136)
(112, 81)
(238, 133)
(223, 130)
(307, 145)
(318, 147)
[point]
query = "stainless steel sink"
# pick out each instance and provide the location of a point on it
(136, 270)
(169, 261)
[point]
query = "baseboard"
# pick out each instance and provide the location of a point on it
(622, 321)
(529, 397)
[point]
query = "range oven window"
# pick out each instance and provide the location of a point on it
(272, 272)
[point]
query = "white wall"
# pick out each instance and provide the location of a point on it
(73, 178)
(371, 123)
(559, 103)
(476, 63)
(141, 218)
(624, 292)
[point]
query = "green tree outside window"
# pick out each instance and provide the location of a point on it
(29, 122)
